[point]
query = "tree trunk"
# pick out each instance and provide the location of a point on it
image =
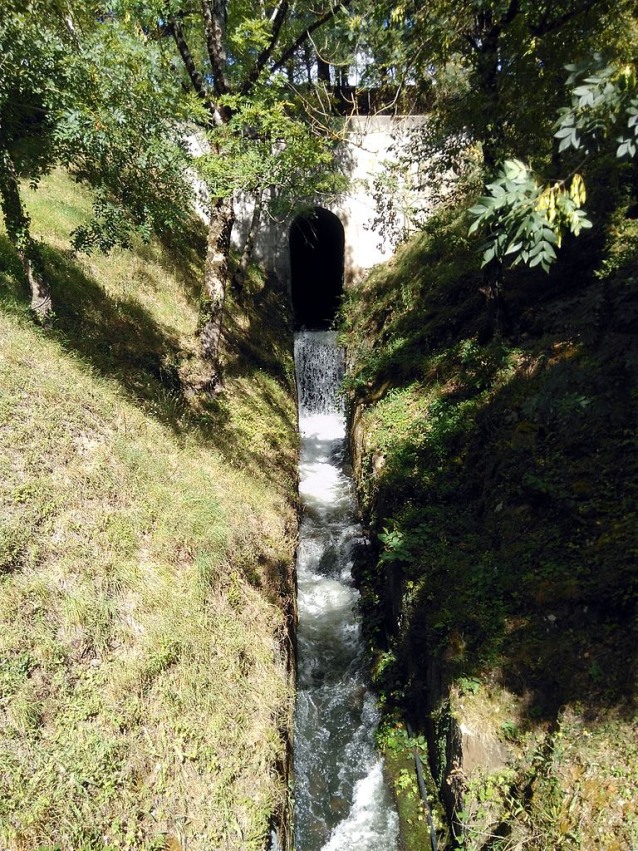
(486, 42)
(215, 280)
(495, 293)
(249, 245)
(308, 62)
(488, 71)
(17, 223)
(323, 71)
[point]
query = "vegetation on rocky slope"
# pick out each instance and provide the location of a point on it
(497, 471)
(145, 553)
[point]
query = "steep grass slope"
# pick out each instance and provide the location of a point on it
(498, 472)
(145, 554)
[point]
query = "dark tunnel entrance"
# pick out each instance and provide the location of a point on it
(317, 244)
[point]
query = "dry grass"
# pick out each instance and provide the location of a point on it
(570, 785)
(144, 549)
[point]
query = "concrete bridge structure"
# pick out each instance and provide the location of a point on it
(316, 253)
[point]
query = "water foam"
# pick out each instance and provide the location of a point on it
(341, 800)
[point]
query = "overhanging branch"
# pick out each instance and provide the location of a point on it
(197, 81)
(545, 27)
(305, 35)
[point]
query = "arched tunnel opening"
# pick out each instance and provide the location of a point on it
(317, 243)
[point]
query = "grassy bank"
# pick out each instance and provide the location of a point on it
(498, 473)
(145, 553)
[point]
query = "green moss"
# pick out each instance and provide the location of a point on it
(398, 750)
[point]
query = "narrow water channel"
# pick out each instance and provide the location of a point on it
(341, 800)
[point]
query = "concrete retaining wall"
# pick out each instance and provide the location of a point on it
(370, 144)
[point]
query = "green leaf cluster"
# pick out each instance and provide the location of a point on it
(604, 102)
(82, 89)
(268, 144)
(526, 216)
(525, 219)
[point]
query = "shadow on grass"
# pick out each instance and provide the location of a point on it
(121, 340)
(522, 545)
(513, 493)
(183, 255)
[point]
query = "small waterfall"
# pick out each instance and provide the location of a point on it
(341, 800)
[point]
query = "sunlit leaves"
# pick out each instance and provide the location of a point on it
(123, 137)
(250, 36)
(34, 82)
(604, 101)
(526, 220)
(525, 217)
(89, 91)
(264, 144)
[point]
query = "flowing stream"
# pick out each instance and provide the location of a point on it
(341, 800)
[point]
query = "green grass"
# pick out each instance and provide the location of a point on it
(145, 553)
(398, 752)
(498, 473)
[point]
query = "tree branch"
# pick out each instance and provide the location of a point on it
(277, 19)
(511, 13)
(471, 41)
(197, 81)
(546, 27)
(214, 15)
(196, 78)
(305, 35)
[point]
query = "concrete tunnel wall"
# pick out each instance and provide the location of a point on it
(370, 143)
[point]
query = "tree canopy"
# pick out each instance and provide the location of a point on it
(522, 96)
(113, 90)
(84, 89)
(238, 70)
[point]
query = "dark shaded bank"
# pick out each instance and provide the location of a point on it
(498, 474)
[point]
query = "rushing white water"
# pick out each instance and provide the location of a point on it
(341, 800)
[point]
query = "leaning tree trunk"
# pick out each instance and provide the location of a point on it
(215, 280)
(17, 223)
